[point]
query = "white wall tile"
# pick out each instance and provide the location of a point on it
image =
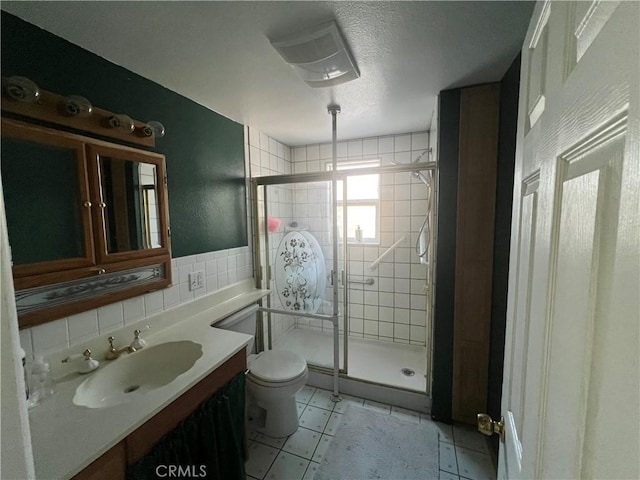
(264, 142)
(354, 148)
(50, 336)
(401, 300)
(371, 312)
(370, 146)
(254, 155)
(254, 137)
(401, 315)
(313, 152)
(133, 309)
(171, 296)
(420, 141)
(153, 302)
(418, 318)
(401, 270)
(401, 285)
(385, 145)
(401, 331)
(385, 299)
(326, 151)
(417, 334)
(212, 283)
(402, 143)
(299, 154)
(402, 157)
(313, 166)
(183, 273)
(273, 146)
(418, 302)
(385, 329)
(185, 294)
(371, 327)
(110, 317)
(343, 149)
(83, 326)
(223, 280)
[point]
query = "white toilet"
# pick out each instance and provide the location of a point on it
(273, 380)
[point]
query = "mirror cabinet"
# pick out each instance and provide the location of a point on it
(87, 221)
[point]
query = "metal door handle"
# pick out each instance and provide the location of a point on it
(488, 426)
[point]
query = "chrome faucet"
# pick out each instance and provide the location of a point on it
(113, 353)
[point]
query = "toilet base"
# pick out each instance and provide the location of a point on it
(274, 420)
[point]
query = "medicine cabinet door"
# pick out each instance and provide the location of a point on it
(47, 201)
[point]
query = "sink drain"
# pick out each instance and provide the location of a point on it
(132, 388)
(408, 372)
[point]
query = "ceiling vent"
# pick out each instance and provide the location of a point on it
(320, 56)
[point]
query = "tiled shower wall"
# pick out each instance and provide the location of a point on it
(394, 307)
(267, 156)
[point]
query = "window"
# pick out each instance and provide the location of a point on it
(362, 203)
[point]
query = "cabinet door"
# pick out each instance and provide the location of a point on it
(130, 203)
(47, 201)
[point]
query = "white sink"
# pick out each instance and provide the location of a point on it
(134, 374)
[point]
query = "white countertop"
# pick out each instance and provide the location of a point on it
(66, 438)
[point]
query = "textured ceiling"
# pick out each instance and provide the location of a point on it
(219, 55)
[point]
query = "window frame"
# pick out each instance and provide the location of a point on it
(372, 202)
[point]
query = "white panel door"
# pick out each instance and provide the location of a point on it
(571, 391)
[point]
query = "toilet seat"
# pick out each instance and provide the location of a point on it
(276, 368)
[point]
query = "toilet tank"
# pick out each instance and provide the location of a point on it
(243, 321)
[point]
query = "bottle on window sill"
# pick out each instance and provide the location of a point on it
(358, 234)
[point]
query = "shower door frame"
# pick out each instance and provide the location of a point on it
(263, 276)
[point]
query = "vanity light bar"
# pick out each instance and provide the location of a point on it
(23, 97)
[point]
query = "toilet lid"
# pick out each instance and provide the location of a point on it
(277, 366)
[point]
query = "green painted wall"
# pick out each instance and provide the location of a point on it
(204, 150)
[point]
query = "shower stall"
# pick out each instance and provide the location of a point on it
(347, 253)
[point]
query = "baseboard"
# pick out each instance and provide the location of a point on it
(418, 402)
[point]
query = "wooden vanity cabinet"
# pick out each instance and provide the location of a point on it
(112, 465)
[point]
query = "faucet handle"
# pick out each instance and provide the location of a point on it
(138, 342)
(87, 364)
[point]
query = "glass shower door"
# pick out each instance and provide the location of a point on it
(295, 242)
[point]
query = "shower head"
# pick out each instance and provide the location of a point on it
(420, 176)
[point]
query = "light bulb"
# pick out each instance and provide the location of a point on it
(77, 106)
(122, 122)
(153, 127)
(22, 89)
